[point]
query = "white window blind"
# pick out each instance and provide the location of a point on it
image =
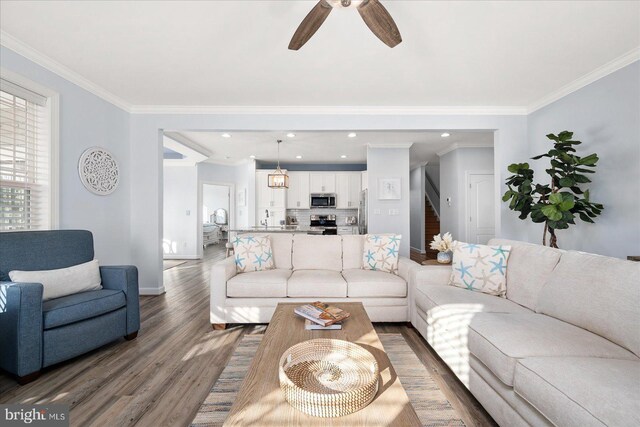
(25, 153)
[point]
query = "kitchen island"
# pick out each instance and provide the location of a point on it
(302, 229)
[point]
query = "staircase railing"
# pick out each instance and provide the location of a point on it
(433, 194)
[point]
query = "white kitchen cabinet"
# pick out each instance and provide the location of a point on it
(349, 229)
(348, 186)
(269, 197)
(322, 182)
(298, 192)
(364, 175)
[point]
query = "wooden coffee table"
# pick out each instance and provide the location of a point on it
(261, 402)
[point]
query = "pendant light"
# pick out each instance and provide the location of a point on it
(279, 178)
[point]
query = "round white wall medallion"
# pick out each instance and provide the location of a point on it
(99, 171)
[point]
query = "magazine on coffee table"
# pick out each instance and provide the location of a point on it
(321, 313)
(312, 326)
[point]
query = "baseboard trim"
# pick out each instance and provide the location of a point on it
(172, 257)
(421, 251)
(151, 291)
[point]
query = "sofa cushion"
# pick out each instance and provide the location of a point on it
(529, 268)
(63, 281)
(480, 268)
(259, 284)
(368, 283)
(597, 293)
(581, 391)
(281, 245)
(317, 252)
(316, 284)
(499, 340)
(352, 248)
(253, 253)
(443, 302)
(381, 252)
(81, 306)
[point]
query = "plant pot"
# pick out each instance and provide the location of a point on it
(444, 257)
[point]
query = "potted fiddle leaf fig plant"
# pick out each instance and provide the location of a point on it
(558, 203)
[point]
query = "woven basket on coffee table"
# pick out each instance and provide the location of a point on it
(328, 377)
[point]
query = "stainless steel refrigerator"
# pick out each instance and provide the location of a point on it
(362, 212)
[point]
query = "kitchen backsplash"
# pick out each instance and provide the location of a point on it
(303, 214)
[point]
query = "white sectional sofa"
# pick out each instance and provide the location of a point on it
(561, 349)
(309, 268)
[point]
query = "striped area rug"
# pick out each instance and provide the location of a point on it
(427, 399)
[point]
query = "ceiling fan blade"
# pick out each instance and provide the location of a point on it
(377, 18)
(310, 24)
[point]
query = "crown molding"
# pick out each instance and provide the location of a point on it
(457, 145)
(610, 67)
(404, 145)
(325, 110)
(54, 66)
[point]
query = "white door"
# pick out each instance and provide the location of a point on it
(480, 208)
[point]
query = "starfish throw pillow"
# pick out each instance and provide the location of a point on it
(480, 268)
(253, 253)
(381, 252)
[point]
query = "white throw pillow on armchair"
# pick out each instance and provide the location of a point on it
(63, 281)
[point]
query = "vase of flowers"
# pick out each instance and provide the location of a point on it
(444, 245)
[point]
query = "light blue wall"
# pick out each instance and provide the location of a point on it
(453, 168)
(86, 121)
(389, 163)
(605, 116)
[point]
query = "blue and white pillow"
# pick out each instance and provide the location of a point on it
(480, 268)
(381, 252)
(253, 253)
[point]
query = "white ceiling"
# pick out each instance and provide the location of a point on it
(325, 147)
(234, 53)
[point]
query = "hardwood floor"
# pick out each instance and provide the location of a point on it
(161, 378)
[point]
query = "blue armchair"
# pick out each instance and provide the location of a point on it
(36, 334)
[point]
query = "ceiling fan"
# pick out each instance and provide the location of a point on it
(372, 12)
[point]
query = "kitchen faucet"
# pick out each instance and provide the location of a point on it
(266, 221)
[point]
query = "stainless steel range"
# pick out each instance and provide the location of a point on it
(325, 222)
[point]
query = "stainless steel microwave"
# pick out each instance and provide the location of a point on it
(325, 200)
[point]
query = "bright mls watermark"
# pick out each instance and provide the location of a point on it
(34, 415)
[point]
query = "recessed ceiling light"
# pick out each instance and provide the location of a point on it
(298, 157)
(352, 135)
(344, 156)
(291, 135)
(445, 135)
(252, 156)
(226, 135)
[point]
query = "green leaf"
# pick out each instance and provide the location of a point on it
(555, 198)
(581, 179)
(566, 205)
(540, 156)
(551, 212)
(553, 137)
(590, 160)
(586, 195)
(585, 218)
(565, 135)
(507, 195)
(567, 182)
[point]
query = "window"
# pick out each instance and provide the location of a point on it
(27, 181)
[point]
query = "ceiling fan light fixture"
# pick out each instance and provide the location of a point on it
(279, 178)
